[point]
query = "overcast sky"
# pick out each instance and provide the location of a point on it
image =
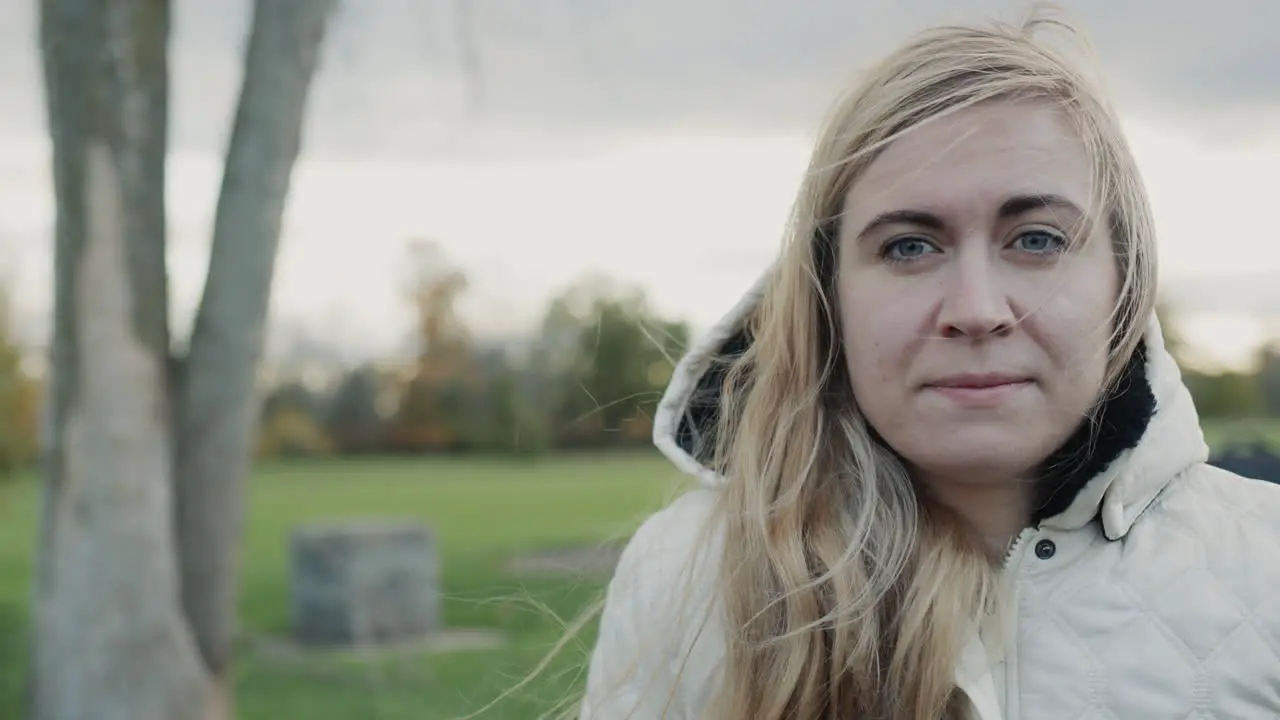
(400, 75)
(658, 140)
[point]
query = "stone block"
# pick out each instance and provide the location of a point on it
(366, 583)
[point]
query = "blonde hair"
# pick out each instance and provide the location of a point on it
(847, 595)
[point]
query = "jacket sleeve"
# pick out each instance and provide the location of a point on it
(655, 648)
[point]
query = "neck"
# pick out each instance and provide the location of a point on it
(996, 511)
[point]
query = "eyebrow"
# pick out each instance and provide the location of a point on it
(1014, 206)
(1019, 204)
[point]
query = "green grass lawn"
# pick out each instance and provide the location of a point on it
(483, 511)
(1219, 433)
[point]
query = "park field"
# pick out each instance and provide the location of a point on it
(483, 512)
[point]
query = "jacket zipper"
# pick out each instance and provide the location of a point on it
(1015, 545)
(1010, 566)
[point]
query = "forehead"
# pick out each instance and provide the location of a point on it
(973, 159)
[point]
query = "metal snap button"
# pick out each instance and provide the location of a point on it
(1045, 549)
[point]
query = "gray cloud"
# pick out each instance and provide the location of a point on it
(603, 66)
(401, 78)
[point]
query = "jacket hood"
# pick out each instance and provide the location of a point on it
(1147, 434)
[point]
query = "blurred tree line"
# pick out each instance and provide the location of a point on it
(1239, 394)
(590, 376)
(1228, 394)
(19, 401)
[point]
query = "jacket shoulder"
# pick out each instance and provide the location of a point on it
(1203, 573)
(1214, 495)
(1226, 528)
(658, 642)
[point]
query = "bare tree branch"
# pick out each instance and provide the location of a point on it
(216, 407)
(469, 52)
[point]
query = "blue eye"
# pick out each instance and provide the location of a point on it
(907, 249)
(1041, 242)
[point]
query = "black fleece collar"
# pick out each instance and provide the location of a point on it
(1118, 425)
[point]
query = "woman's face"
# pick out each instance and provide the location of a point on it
(975, 310)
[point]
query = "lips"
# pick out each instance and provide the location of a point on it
(978, 381)
(979, 391)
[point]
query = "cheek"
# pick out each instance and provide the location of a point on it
(1074, 324)
(876, 342)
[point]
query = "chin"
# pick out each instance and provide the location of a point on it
(997, 453)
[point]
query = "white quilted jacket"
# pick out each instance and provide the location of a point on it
(1155, 595)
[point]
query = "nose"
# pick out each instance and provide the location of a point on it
(974, 304)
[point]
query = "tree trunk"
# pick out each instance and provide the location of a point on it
(217, 399)
(135, 593)
(110, 639)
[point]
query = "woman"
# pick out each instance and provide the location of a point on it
(948, 467)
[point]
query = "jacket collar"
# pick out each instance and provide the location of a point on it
(1153, 444)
